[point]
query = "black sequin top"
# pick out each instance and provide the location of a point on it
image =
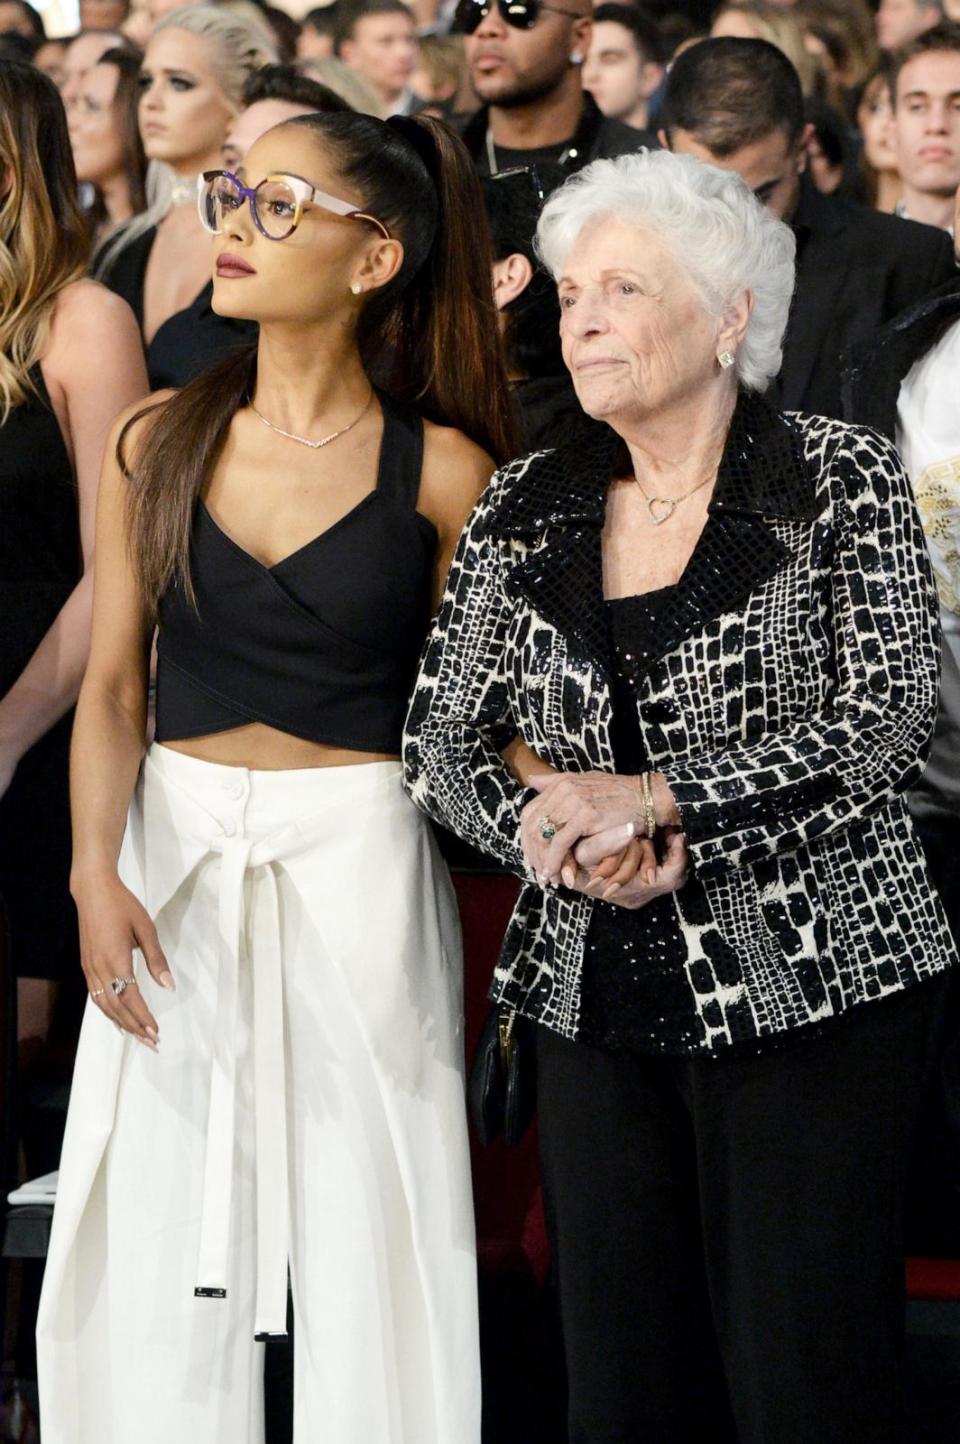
(635, 993)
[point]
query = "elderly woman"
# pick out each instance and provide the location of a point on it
(714, 627)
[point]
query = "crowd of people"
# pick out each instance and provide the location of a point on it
(517, 435)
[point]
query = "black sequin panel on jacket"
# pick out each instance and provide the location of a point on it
(635, 993)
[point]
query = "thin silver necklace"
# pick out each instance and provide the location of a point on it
(661, 508)
(305, 440)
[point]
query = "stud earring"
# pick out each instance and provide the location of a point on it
(356, 288)
(726, 359)
(576, 58)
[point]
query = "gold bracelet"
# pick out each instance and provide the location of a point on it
(648, 807)
(644, 815)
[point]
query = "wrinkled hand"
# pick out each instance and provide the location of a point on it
(578, 805)
(112, 923)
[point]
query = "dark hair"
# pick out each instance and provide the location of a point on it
(33, 17)
(324, 20)
(830, 129)
(351, 12)
(643, 28)
(730, 93)
(285, 31)
(284, 82)
(941, 39)
(429, 338)
(514, 200)
(126, 99)
(14, 46)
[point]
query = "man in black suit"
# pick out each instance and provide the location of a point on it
(524, 60)
(738, 105)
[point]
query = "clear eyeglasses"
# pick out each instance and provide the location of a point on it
(276, 203)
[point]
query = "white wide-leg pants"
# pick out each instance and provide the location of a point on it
(306, 1106)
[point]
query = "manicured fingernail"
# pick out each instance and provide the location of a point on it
(651, 876)
(613, 888)
(166, 981)
(629, 829)
(152, 1033)
(147, 1043)
(568, 877)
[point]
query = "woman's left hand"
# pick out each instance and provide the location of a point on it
(582, 805)
(643, 884)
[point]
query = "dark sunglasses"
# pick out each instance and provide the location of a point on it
(521, 14)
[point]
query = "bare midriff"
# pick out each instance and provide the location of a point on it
(260, 748)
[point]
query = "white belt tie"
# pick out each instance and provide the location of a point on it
(273, 1185)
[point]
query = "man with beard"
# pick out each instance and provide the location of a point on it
(525, 59)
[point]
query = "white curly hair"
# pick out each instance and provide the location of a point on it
(714, 226)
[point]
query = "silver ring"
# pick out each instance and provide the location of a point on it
(548, 828)
(120, 985)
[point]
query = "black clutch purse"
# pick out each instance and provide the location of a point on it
(501, 1090)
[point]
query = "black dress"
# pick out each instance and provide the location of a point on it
(188, 342)
(40, 564)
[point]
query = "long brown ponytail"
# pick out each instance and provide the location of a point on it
(429, 337)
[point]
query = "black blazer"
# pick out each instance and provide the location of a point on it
(856, 270)
(790, 706)
(875, 369)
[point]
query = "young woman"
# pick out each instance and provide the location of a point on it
(284, 1079)
(879, 157)
(107, 148)
(53, 427)
(191, 89)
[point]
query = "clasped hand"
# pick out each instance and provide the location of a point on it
(595, 849)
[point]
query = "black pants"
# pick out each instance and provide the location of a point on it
(933, 1212)
(736, 1221)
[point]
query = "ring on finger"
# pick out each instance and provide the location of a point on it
(548, 828)
(120, 985)
(97, 992)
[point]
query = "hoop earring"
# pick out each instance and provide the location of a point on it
(726, 360)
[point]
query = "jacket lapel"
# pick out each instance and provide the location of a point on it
(562, 496)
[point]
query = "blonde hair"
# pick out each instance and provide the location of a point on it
(778, 27)
(344, 81)
(240, 40)
(43, 237)
(240, 45)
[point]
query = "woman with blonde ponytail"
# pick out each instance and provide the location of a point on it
(270, 1074)
(54, 419)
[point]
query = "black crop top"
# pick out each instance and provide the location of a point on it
(325, 644)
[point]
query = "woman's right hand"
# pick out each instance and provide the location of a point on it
(112, 924)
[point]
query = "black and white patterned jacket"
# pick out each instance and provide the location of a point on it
(790, 706)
